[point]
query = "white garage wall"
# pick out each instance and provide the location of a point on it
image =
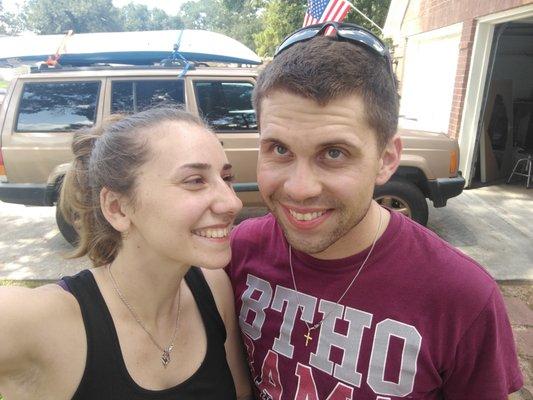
(429, 78)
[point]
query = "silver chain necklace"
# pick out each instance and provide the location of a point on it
(311, 328)
(165, 357)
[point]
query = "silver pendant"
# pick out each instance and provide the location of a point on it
(165, 357)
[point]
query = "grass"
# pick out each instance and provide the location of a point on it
(3, 85)
(29, 283)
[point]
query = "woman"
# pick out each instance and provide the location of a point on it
(152, 196)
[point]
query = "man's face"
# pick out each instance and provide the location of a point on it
(317, 169)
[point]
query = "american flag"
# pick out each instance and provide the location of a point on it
(319, 11)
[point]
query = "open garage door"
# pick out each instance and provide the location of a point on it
(505, 130)
(428, 79)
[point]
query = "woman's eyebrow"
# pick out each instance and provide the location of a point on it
(204, 166)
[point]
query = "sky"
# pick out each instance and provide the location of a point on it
(171, 7)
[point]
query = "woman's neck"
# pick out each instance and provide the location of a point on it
(148, 283)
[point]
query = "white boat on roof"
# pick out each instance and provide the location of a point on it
(135, 48)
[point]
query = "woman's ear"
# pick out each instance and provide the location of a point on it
(113, 207)
(389, 159)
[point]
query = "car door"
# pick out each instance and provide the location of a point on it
(41, 122)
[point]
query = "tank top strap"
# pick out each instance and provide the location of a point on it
(102, 365)
(214, 326)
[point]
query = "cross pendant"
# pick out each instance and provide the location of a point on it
(308, 337)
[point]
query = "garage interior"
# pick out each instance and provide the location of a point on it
(505, 132)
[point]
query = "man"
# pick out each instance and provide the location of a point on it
(339, 298)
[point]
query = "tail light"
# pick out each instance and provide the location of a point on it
(454, 162)
(2, 168)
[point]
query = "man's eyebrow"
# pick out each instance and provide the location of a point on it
(272, 140)
(338, 142)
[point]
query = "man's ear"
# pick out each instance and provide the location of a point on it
(113, 207)
(389, 159)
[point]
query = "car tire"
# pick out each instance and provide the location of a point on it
(405, 197)
(67, 230)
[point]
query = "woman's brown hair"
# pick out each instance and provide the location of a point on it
(109, 156)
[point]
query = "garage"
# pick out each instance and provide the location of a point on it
(466, 70)
(505, 130)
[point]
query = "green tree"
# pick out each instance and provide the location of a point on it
(282, 17)
(238, 19)
(137, 17)
(279, 18)
(59, 16)
(376, 10)
(10, 23)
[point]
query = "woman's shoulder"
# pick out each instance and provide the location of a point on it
(30, 316)
(26, 305)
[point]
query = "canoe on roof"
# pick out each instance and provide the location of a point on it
(135, 48)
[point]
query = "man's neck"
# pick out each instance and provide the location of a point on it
(360, 237)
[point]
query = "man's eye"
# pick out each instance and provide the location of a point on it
(280, 150)
(333, 154)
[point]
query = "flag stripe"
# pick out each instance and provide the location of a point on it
(341, 13)
(330, 16)
(318, 11)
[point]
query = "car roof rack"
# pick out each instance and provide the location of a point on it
(164, 64)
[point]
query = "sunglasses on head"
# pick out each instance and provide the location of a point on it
(345, 32)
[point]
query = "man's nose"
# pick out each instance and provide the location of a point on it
(302, 182)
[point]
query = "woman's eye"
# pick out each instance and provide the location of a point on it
(280, 150)
(195, 181)
(333, 154)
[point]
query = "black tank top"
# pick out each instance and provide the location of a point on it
(106, 377)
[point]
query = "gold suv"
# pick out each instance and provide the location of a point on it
(41, 110)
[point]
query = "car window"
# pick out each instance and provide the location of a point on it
(57, 106)
(136, 95)
(227, 106)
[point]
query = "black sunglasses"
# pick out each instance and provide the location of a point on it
(343, 32)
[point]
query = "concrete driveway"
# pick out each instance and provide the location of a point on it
(494, 225)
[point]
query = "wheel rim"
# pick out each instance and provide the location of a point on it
(396, 204)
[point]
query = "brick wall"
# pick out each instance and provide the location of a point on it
(461, 77)
(435, 14)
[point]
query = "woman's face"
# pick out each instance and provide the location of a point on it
(184, 202)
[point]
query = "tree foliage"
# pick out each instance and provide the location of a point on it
(260, 24)
(236, 18)
(137, 17)
(279, 18)
(10, 23)
(59, 16)
(282, 17)
(376, 10)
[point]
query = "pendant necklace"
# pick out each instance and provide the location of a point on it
(311, 328)
(165, 356)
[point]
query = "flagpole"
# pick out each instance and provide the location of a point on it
(364, 16)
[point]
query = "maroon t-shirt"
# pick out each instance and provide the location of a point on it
(422, 320)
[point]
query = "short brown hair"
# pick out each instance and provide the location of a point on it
(110, 157)
(323, 69)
